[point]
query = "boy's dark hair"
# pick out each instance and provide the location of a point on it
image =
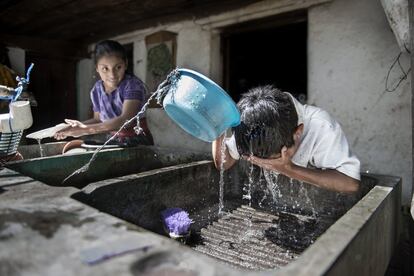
(109, 47)
(268, 122)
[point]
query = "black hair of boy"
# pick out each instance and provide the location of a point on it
(268, 122)
(108, 48)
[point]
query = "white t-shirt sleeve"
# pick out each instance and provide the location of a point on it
(331, 150)
(232, 147)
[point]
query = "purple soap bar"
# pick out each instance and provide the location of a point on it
(176, 221)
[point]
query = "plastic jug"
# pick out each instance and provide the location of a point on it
(200, 106)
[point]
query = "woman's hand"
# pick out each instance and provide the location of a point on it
(75, 129)
(62, 134)
(69, 131)
(75, 123)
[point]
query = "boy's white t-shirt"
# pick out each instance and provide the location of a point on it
(323, 143)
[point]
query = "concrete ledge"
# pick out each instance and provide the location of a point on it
(359, 243)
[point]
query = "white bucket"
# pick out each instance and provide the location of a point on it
(19, 117)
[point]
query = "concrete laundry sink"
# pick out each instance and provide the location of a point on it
(54, 167)
(294, 229)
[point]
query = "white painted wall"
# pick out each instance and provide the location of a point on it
(17, 60)
(168, 134)
(85, 81)
(194, 48)
(351, 48)
(140, 59)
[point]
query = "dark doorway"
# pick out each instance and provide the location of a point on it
(53, 84)
(129, 48)
(270, 51)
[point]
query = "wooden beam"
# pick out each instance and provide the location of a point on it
(161, 14)
(48, 47)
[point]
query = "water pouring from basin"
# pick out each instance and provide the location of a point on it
(203, 109)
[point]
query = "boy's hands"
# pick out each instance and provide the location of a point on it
(328, 178)
(280, 163)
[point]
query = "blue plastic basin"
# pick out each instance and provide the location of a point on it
(200, 106)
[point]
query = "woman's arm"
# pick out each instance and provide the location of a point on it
(217, 152)
(76, 123)
(93, 120)
(129, 110)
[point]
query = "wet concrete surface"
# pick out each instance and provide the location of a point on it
(43, 231)
(46, 223)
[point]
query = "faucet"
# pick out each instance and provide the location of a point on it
(18, 119)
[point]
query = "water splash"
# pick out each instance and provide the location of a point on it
(248, 186)
(221, 181)
(262, 200)
(167, 86)
(304, 191)
(271, 178)
(41, 151)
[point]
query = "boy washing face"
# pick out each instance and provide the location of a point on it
(302, 142)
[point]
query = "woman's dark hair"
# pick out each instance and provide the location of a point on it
(268, 122)
(109, 47)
